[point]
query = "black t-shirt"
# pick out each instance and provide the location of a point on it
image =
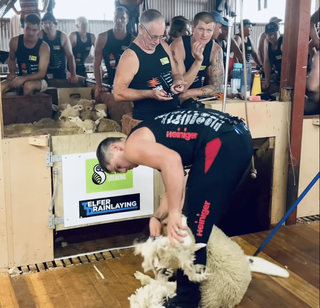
(57, 65)
(112, 52)
(189, 59)
(81, 51)
(186, 131)
(154, 74)
(28, 58)
(275, 57)
(248, 48)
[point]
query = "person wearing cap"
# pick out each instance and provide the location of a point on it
(249, 48)
(199, 58)
(81, 43)
(32, 56)
(314, 35)
(60, 50)
(272, 53)
(29, 7)
(263, 37)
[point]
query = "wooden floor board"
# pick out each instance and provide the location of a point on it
(7, 296)
(109, 282)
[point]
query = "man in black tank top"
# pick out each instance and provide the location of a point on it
(272, 54)
(147, 74)
(32, 56)
(199, 58)
(60, 50)
(109, 47)
(217, 146)
(250, 49)
(81, 42)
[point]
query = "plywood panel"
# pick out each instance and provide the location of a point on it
(3, 224)
(27, 199)
(65, 94)
(268, 119)
(309, 167)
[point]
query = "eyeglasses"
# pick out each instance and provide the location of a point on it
(153, 37)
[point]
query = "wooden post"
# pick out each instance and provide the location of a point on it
(294, 69)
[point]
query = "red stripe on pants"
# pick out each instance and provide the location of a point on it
(212, 150)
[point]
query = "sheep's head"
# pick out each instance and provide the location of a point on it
(88, 126)
(69, 112)
(86, 104)
(101, 110)
(181, 255)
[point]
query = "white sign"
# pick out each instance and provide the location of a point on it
(93, 196)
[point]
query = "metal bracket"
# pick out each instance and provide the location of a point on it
(53, 221)
(51, 159)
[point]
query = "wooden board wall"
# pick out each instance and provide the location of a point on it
(309, 166)
(268, 119)
(27, 197)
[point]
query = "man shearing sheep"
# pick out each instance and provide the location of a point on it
(217, 148)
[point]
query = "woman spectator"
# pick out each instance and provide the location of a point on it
(180, 26)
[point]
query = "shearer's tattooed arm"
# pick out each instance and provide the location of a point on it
(214, 77)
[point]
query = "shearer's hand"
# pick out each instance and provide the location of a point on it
(174, 226)
(155, 227)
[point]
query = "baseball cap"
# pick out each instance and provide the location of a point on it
(271, 27)
(247, 22)
(275, 19)
(218, 18)
(49, 17)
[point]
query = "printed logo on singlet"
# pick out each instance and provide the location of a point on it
(202, 68)
(56, 47)
(164, 61)
(279, 57)
(24, 68)
(182, 134)
(112, 60)
(33, 58)
(202, 218)
(187, 117)
(153, 83)
(124, 47)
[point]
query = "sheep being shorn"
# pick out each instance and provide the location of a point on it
(223, 284)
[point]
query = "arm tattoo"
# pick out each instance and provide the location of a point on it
(217, 70)
(174, 58)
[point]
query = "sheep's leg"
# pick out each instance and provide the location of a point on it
(144, 279)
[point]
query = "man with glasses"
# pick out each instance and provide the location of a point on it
(110, 46)
(199, 58)
(32, 56)
(272, 54)
(60, 50)
(147, 74)
(81, 42)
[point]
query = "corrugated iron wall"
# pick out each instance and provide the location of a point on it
(4, 34)
(187, 8)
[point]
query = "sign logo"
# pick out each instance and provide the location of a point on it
(98, 176)
(202, 68)
(99, 181)
(111, 205)
(164, 61)
(33, 58)
(56, 47)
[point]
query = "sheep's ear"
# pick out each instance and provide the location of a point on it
(97, 122)
(199, 246)
(69, 106)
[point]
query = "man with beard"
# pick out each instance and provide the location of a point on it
(32, 55)
(81, 42)
(60, 50)
(199, 58)
(110, 46)
(147, 74)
